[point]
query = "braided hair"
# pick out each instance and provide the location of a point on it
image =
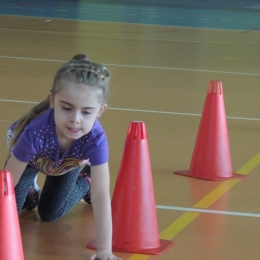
(81, 70)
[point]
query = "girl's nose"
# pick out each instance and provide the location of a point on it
(75, 118)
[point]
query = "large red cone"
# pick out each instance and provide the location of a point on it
(10, 236)
(211, 155)
(135, 227)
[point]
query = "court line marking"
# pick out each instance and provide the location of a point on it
(139, 110)
(142, 67)
(146, 24)
(120, 9)
(182, 69)
(209, 211)
(18, 101)
(176, 113)
(185, 219)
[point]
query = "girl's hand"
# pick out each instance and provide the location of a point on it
(104, 255)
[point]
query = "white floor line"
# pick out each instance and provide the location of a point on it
(18, 101)
(182, 69)
(143, 67)
(209, 211)
(23, 58)
(139, 110)
(177, 113)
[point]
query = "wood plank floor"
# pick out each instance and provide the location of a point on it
(160, 75)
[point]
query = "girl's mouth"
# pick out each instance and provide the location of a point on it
(73, 130)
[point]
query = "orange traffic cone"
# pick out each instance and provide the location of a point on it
(135, 227)
(10, 238)
(211, 155)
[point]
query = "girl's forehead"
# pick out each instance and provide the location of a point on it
(70, 86)
(72, 90)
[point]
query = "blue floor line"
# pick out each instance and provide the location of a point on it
(184, 17)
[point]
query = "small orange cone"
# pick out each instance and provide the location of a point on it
(135, 227)
(211, 155)
(10, 236)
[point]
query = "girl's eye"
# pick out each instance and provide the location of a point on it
(86, 113)
(66, 108)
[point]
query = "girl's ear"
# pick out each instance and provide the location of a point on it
(51, 99)
(102, 109)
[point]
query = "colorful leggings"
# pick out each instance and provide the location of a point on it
(59, 193)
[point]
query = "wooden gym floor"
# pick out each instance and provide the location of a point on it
(160, 75)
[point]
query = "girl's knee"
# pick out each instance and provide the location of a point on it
(48, 214)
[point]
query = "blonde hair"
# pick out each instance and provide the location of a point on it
(78, 70)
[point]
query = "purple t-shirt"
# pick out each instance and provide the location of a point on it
(38, 145)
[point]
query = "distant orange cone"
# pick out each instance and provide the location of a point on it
(10, 237)
(211, 155)
(135, 227)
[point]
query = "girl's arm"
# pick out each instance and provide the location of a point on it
(100, 199)
(16, 167)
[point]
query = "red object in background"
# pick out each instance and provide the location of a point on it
(10, 235)
(211, 158)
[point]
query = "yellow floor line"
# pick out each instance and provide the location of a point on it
(185, 219)
(228, 184)
(216, 194)
(138, 257)
(178, 225)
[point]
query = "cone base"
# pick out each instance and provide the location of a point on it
(217, 178)
(165, 245)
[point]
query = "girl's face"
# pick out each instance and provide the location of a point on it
(76, 107)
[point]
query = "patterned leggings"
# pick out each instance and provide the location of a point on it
(59, 193)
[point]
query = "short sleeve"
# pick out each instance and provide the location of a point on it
(100, 152)
(25, 148)
(96, 148)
